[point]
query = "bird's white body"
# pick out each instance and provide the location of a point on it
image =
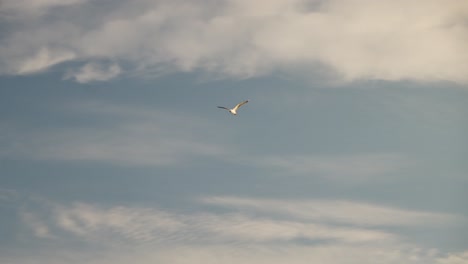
(234, 110)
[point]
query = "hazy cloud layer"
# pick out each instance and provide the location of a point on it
(144, 136)
(151, 234)
(421, 40)
(143, 225)
(214, 254)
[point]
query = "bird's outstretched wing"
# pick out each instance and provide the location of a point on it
(222, 107)
(240, 104)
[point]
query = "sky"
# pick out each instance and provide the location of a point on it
(353, 147)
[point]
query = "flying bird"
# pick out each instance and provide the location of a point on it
(234, 110)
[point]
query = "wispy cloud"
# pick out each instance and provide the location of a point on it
(44, 59)
(37, 225)
(94, 72)
(143, 225)
(134, 224)
(247, 220)
(151, 234)
(359, 39)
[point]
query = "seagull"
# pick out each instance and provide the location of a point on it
(234, 110)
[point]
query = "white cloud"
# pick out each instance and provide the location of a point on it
(94, 72)
(126, 234)
(44, 59)
(249, 221)
(359, 39)
(144, 225)
(134, 224)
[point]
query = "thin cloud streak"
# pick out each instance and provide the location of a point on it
(126, 146)
(360, 39)
(336, 211)
(352, 168)
(140, 137)
(147, 137)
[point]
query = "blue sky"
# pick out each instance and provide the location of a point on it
(352, 148)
